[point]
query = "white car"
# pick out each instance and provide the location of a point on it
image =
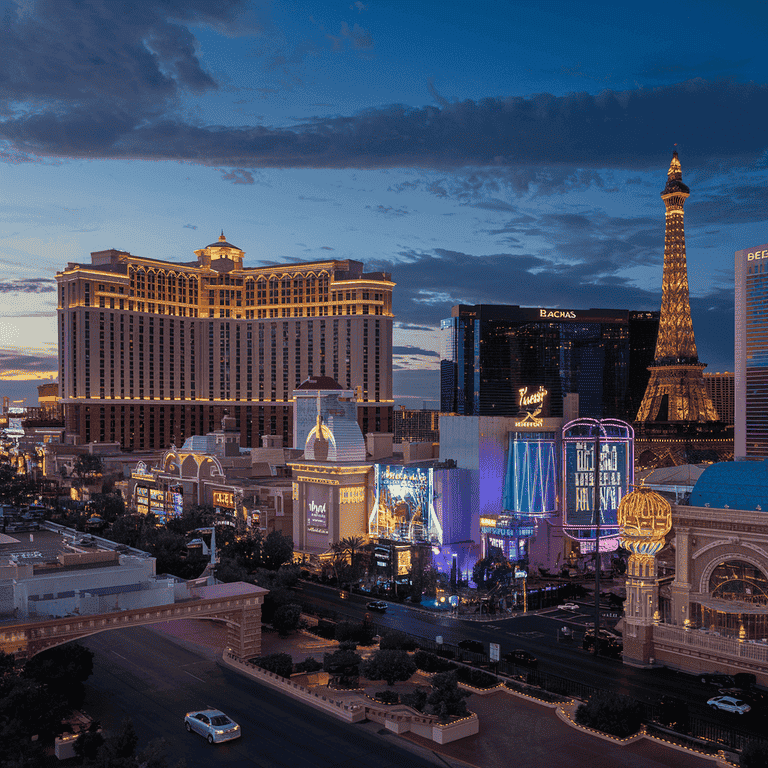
(729, 704)
(212, 724)
(568, 607)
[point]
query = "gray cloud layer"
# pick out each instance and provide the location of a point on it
(104, 79)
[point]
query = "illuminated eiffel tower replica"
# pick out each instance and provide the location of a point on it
(677, 422)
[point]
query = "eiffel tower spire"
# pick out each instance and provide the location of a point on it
(676, 391)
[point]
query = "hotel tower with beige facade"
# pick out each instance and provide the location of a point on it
(152, 351)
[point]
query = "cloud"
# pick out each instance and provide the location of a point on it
(238, 176)
(27, 364)
(388, 210)
(28, 285)
(710, 66)
(96, 81)
(413, 351)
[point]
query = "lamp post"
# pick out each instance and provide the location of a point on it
(596, 506)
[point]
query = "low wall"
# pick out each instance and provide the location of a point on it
(352, 712)
(398, 719)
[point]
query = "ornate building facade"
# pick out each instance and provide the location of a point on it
(152, 352)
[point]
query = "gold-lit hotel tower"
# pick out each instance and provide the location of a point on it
(676, 391)
(151, 351)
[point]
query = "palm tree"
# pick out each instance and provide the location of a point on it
(349, 547)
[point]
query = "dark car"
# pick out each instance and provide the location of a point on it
(718, 679)
(521, 657)
(475, 646)
(609, 646)
(377, 605)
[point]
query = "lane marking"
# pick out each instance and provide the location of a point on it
(195, 676)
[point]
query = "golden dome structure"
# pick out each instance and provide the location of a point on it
(645, 518)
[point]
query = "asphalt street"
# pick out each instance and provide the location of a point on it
(151, 678)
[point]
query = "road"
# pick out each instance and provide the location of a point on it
(143, 674)
(538, 633)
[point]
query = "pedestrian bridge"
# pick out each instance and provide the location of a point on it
(237, 604)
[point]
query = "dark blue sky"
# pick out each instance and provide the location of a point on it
(481, 152)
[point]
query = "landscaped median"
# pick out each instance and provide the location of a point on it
(355, 707)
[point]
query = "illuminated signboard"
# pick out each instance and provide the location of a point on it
(318, 507)
(403, 505)
(142, 509)
(579, 475)
(224, 499)
(532, 404)
(142, 492)
(530, 486)
(141, 473)
(177, 503)
(156, 495)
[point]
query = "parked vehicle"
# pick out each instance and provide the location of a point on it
(729, 704)
(212, 724)
(568, 607)
(718, 679)
(475, 646)
(521, 657)
(377, 605)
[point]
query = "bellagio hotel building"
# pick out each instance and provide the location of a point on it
(151, 351)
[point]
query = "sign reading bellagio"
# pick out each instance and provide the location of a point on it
(403, 503)
(580, 472)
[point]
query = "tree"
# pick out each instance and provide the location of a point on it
(287, 619)
(754, 755)
(446, 699)
(89, 743)
(108, 506)
(349, 547)
(87, 467)
(611, 713)
(124, 742)
(343, 665)
(277, 549)
(63, 670)
(390, 665)
(279, 663)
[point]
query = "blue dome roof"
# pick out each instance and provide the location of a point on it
(735, 484)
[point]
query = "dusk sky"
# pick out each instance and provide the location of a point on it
(481, 152)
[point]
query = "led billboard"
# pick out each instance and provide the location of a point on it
(582, 475)
(530, 486)
(318, 507)
(403, 508)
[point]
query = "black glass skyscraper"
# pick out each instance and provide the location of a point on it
(490, 352)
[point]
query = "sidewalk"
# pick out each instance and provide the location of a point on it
(514, 730)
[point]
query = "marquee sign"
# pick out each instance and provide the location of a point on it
(224, 499)
(583, 474)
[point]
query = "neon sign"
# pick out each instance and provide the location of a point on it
(558, 313)
(532, 418)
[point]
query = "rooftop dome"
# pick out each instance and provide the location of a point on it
(319, 382)
(645, 518)
(733, 484)
(222, 243)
